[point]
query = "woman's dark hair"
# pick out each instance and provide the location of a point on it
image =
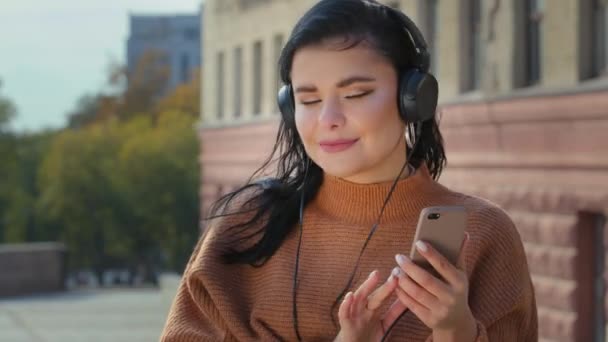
(273, 205)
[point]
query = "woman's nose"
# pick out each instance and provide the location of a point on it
(331, 113)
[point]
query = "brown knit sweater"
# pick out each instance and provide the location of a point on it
(218, 302)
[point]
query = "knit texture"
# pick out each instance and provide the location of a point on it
(219, 302)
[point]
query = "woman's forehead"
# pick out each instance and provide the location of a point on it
(310, 63)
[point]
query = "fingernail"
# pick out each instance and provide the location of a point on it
(421, 246)
(401, 259)
(371, 274)
(395, 272)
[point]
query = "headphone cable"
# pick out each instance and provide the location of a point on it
(418, 130)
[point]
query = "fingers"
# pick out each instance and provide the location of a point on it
(423, 278)
(393, 313)
(413, 305)
(375, 300)
(360, 296)
(443, 266)
(344, 310)
(422, 295)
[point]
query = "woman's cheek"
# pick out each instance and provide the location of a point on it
(305, 127)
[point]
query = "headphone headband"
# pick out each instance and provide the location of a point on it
(423, 57)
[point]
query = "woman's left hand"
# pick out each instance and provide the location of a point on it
(442, 305)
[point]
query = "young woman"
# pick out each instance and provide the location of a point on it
(317, 252)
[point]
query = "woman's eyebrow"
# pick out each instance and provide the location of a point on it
(341, 84)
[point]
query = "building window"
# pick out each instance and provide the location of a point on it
(184, 67)
(432, 28)
(257, 78)
(601, 256)
(599, 34)
(601, 290)
(220, 86)
(533, 15)
(278, 47)
(591, 294)
(474, 45)
(237, 80)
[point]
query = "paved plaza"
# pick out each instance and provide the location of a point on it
(114, 315)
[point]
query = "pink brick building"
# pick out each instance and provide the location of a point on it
(524, 107)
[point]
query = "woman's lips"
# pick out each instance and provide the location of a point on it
(337, 145)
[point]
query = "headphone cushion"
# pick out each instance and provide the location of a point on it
(286, 104)
(418, 93)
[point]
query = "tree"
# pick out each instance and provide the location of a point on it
(21, 219)
(147, 82)
(7, 112)
(131, 92)
(120, 187)
(124, 193)
(159, 176)
(76, 193)
(185, 98)
(86, 111)
(8, 157)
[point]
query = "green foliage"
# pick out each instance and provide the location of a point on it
(159, 174)
(20, 219)
(124, 193)
(119, 186)
(8, 158)
(139, 92)
(7, 111)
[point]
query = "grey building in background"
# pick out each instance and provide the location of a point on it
(176, 37)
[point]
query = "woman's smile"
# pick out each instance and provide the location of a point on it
(338, 145)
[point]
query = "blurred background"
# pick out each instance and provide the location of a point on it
(121, 121)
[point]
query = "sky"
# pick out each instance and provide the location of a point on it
(52, 52)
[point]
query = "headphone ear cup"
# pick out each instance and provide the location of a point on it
(418, 93)
(286, 105)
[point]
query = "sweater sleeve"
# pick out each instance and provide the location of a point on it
(501, 295)
(193, 316)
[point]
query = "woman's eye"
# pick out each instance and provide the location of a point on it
(354, 96)
(306, 103)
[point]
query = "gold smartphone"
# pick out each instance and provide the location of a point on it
(443, 228)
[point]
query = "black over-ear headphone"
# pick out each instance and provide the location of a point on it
(418, 89)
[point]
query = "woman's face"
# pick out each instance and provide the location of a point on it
(346, 111)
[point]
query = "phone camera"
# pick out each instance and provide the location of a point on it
(433, 216)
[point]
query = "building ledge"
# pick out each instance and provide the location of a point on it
(587, 86)
(240, 122)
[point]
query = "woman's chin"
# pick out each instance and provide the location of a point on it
(340, 171)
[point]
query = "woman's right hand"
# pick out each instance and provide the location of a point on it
(359, 316)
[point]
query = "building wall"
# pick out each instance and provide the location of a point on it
(543, 159)
(32, 268)
(537, 150)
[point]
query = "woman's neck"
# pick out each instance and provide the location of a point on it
(361, 203)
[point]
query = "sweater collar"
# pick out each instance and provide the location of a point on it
(361, 203)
